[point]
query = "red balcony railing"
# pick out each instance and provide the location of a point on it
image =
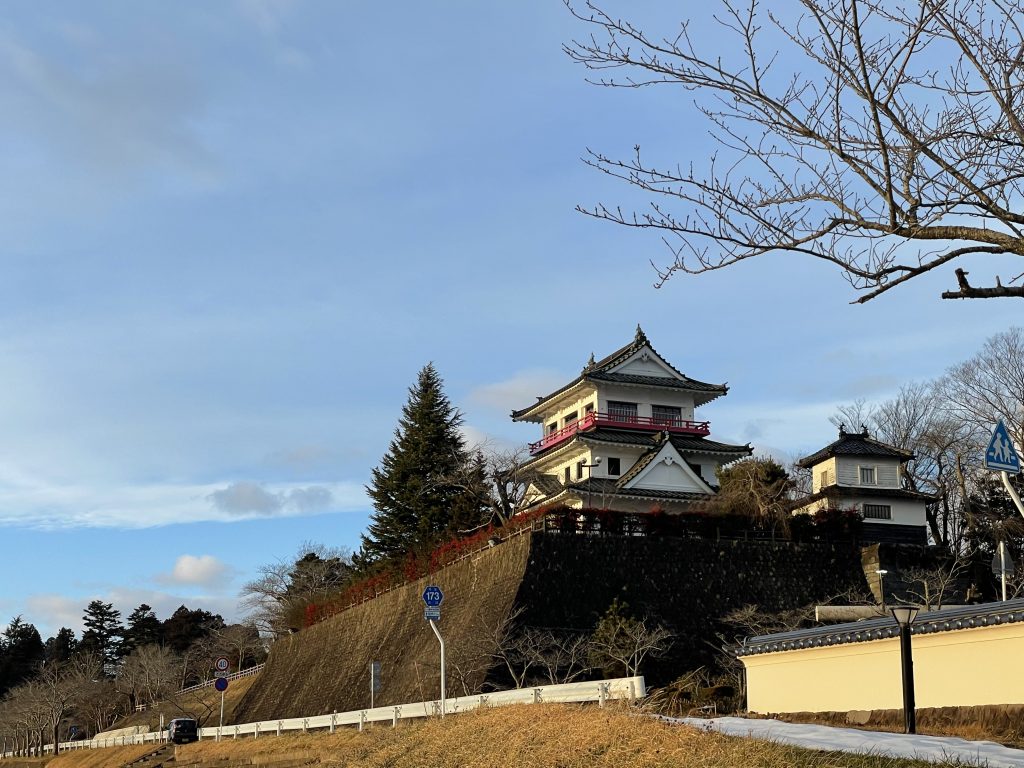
(621, 421)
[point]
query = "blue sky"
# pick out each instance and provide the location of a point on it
(234, 231)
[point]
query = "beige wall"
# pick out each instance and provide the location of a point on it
(963, 667)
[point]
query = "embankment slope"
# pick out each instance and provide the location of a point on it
(325, 668)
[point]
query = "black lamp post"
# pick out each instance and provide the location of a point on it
(905, 616)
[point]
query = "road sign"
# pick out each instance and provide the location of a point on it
(433, 596)
(1000, 455)
(997, 564)
(432, 612)
(221, 666)
(375, 677)
(221, 684)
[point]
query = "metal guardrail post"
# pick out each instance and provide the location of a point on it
(602, 693)
(236, 731)
(334, 717)
(537, 696)
(362, 719)
(256, 733)
(394, 718)
(305, 725)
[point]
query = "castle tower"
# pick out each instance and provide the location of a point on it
(624, 435)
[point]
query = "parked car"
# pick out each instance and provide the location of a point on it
(182, 730)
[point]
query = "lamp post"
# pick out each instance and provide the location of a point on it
(905, 616)
(881, 587)
(590, 475)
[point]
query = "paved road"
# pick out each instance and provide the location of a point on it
(931, 748)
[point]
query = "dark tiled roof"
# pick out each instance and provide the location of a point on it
(841, 491)
(855, 444)
(598, 371)
(682, 443)
(603, 486)
(961, 617)
(549, 485)
(691, 385)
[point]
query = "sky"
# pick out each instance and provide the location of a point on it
(234, 231)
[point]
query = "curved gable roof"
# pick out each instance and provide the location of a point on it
(855, 444)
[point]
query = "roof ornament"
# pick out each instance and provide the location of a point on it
(842, 430)
(590, 363)
(863, 431)
(640, 337)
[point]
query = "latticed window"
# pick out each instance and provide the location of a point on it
(877, 512)
(669, 415)
(622, 411)
(867, 475)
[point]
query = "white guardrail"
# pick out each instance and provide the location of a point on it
(599, 691)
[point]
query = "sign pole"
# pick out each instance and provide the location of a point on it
(1013, 494)
(221, 711)
(1002, 566)
(433, 626)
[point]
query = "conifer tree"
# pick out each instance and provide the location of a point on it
(413, 492)
(103, 632)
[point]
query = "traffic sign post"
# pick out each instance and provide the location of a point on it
(221, 665)
(374, 680)
(1001, 456)
(1003, 565)
(432, 599)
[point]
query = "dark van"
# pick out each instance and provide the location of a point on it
(183, 730)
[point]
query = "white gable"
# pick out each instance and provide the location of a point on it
(645, 362)
(669, 472)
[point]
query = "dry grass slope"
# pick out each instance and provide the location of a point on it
(326, 667)
(542, 736)
(203, 704)
(112, 757)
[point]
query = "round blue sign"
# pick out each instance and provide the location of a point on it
(221, 684)
(433, 596)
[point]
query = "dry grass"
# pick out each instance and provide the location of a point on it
(203, 704)
(111, 757)
(543, 736)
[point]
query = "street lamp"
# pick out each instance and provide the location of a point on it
(905, 616)
(590, 475)
(881, 587)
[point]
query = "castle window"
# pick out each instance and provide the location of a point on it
(619, 411)
(552, 427)
(614, 466)
(568, 475)
(570, 418)
(579, 469)
(667, 415)
(825, 478)
(867, 475)
(877, 512)
(588, 408)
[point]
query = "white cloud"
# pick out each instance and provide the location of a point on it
(519, 391)
(54, 612)
(37, 503)
(200, 570)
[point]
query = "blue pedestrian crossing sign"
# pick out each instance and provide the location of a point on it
(433, 596)
(1000, 455)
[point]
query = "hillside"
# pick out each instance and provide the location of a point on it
(203, 704)
(326, 668)
(514, 737)
(550, 580)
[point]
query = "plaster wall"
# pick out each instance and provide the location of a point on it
(959, 668)
(886, 471)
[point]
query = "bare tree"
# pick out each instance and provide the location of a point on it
(148, 675)
(881, 137)
(283, 589)
(242, 641)
(932, 586)
(621, 642)
(563, 657)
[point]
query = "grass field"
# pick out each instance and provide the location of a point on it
(539, 736)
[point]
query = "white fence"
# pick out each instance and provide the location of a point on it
(233, 676)
(600, 691)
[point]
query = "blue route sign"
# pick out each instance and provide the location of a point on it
(221, 684)
(1000, 455)
(433, 596)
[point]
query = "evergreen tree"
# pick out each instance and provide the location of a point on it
(21, 651)
(185, 627)
(144, 628)
(103, 632)
(61, 647)
(414, 493)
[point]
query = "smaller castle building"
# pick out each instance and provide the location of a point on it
(857, 472)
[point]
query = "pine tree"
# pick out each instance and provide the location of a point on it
(21, 650)
(144, 628)
(103, 632)
(413, 492)
(61, 647)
